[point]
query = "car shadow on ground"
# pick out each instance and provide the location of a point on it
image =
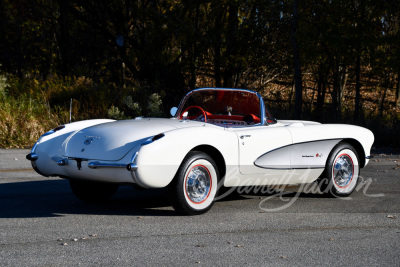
(52, 198)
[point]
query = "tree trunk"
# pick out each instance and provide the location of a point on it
(343, 81)
(398, 90)
(320, 95)
(217, 43)
(231, 45)
(382, 102)
(387, 85)
(323, 96)
(193, 68)
(336, 95)
(63, 40)
(297, 65)
(358, 89)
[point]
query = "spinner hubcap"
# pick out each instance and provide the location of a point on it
(343, 170)
(198, 184)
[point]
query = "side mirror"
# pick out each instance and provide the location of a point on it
(173, 111)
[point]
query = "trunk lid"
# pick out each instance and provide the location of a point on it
(112, 141)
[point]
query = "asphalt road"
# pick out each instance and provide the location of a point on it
(43, 224)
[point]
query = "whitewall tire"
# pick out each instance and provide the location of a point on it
(342, 171)
(194, 187)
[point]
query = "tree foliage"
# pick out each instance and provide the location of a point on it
(345, 57)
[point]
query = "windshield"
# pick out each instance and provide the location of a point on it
(238, 107)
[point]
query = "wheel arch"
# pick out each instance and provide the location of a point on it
(216, 155)
(359, 149)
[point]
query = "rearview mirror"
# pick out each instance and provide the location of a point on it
(173, 111)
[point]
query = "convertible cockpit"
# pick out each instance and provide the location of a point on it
(227, 107)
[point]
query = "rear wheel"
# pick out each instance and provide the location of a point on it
(342, 171)
(194, 187)
(92, 192)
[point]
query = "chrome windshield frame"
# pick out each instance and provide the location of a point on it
(263, 120)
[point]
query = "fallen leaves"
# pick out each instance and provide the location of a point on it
(76, 239)
(228, 242)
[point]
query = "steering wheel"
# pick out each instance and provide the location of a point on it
(202, 111)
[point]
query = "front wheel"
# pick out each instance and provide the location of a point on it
(342, 171)
(92, 192)
(194, 187)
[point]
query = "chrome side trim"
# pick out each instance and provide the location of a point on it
(96, 164)
(34, 147)
(132, 168)
(132, 165)
(148, 141)
(265, 161)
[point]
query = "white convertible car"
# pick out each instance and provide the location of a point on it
(216, 137)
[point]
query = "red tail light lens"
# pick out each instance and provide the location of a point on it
(158, 136)
(59, 128)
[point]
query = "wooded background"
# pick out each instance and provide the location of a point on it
(335, 61)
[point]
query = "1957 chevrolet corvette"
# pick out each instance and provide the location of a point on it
(216, 137)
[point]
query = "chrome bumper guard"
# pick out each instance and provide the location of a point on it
(130, 167)
(96, 164)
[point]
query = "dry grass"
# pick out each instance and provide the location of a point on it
(23, 121)
(31, 107)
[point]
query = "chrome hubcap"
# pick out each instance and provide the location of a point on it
(198, 184)
(343, 170)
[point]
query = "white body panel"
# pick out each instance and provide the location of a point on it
(261, 155)
(287, 152)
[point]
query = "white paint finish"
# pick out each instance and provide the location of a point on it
(50, 147)
(270, 146)
(159, 161)
(256, 141)
(112, 141)
(294, 122)
(334, 131)
(311, 154)
(274, 177)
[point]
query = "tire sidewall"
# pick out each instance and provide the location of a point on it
(335, 189)
(208, 201)
(180, 200)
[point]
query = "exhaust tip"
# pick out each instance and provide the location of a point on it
(32, 157)
(62, 162)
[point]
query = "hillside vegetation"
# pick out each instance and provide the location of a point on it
(329, 61)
